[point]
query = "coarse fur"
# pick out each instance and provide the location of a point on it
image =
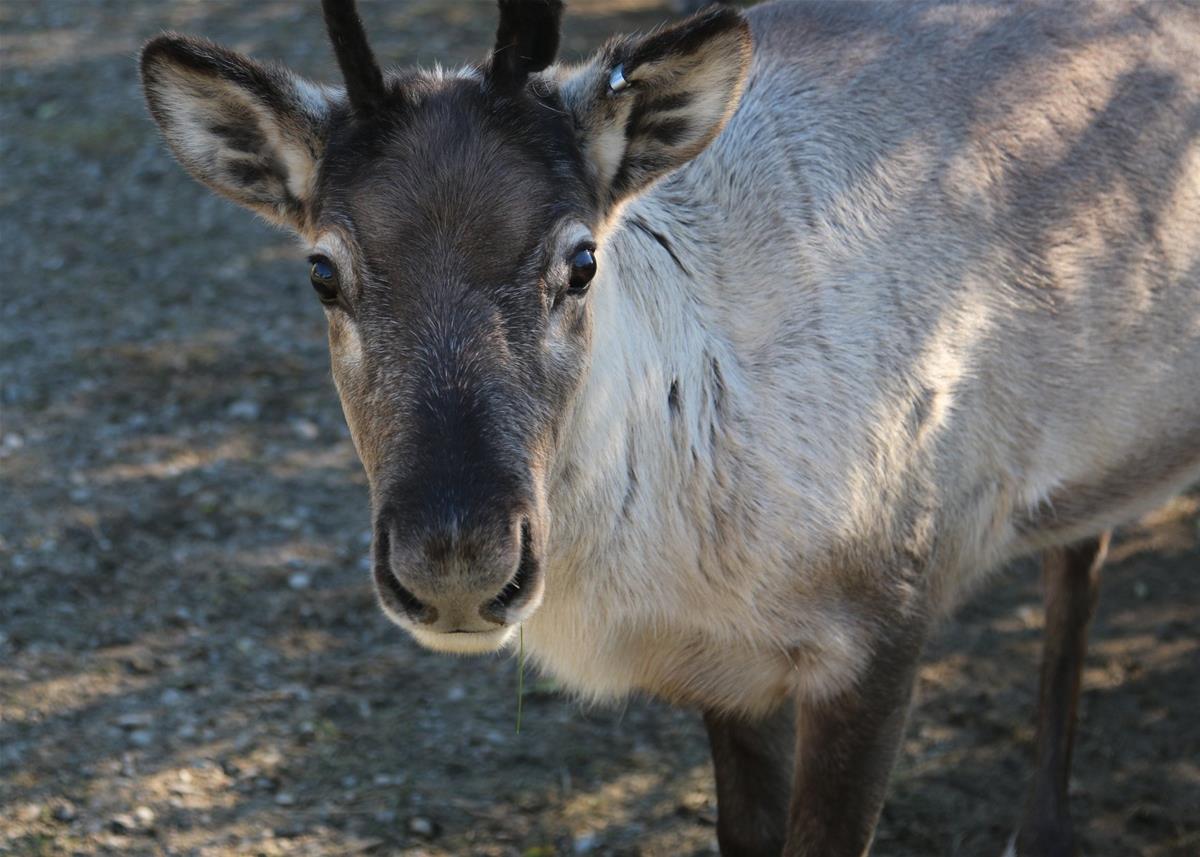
(927, 301)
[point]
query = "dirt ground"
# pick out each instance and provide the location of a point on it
(191, 660)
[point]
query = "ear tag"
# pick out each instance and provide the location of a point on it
(616, 80)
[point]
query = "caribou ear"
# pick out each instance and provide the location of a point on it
(251, 132)
(526, 40)
(644, 106)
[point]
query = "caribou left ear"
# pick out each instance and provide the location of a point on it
(254, 133)
(645, 106)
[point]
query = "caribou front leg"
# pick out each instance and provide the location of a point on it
(845, 749)
(752, 760)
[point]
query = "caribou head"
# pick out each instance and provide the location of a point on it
(455, 226)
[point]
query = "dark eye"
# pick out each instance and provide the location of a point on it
(324, 279)
(583, 268)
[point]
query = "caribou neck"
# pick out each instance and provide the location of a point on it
(654, 426)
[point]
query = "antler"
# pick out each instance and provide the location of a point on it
(527, 39)
(364, 80)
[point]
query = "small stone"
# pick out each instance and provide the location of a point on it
(305, 429)
(122, 824)
(1141, 590)
(1029, 616)
(244, 409)
(420, 826)
(134, 720)
(65, 812)
(285, 799)
(141, 737)
(288, 831)
(139, 662)
(187, 731)
(30, 812)
(144, 816)
(299, 580)
(584, 843)
(456, 693)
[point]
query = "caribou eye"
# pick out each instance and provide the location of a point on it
(583, 268)
(324, 279)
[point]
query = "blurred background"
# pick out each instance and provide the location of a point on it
(191, 660)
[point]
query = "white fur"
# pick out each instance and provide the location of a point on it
(477, 643)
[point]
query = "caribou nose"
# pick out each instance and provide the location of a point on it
(456, 580)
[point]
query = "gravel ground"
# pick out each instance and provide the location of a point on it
(191, 661)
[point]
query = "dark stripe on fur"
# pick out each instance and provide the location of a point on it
(642, 225)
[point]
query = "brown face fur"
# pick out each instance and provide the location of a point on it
(455, 345)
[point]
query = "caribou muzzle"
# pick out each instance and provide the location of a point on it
(460, 587)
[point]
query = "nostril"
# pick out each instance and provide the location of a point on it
(521, 586)
(395, 596)
(399, 597)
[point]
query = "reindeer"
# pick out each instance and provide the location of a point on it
(727, 361)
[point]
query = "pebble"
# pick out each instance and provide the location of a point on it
(420, 826)
(285, 799)
(141, 737)
(288, 831)
(244, 409)
(135, 719)
(305, 429)
(299, 580)
(65, 812)
(187, 731)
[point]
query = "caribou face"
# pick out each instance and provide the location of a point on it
(462, 255)
(452, 223)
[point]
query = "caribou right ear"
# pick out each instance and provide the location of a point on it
(644, 106)
(251, 132)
